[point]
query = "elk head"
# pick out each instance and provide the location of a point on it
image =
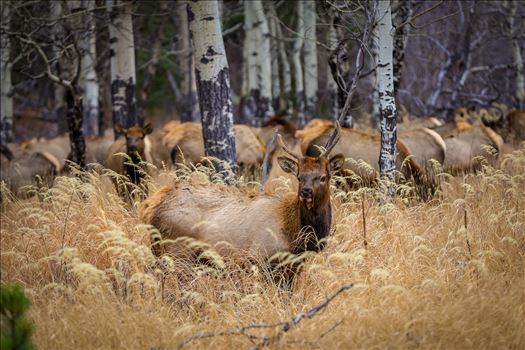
(135, 144)
(313, 173)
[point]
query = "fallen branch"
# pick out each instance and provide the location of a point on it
(284, 326)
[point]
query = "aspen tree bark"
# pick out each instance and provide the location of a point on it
(285, 66)
(387, 105)
(276, 81)
(190, 107)
(91, 86)
(402, 14)
(213, 84)
(6, 117)
(298, 68)
(517, 57)
(123, 76)
(310, 60)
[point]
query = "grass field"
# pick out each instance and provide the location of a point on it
(444, 274)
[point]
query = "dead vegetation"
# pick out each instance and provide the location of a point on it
(443, 274)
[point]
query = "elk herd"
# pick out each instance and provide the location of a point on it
(258, 226)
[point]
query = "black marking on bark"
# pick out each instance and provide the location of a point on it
(204, 60)
(210, 18)
(113, 40)
(211, 52)
(191, 15)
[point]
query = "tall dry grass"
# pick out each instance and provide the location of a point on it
(445, 274)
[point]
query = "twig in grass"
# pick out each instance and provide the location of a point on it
(466, 232)
(365, 243)
(284, 326)
(266, 159)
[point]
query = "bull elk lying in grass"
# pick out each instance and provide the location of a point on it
(256, 226)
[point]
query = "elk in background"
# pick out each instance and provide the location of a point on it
(185, 144)
(140, 144)
(251, 226)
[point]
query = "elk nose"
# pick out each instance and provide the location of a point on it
(132, 148)
(306, 192)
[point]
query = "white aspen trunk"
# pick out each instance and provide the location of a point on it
(259, 62)
(190, 108)
(310, 60)
(250, 51)
(276, 81)
(517, 58)
(387, 105)
(90, 79)
(331, 85)
(213, 84)
(298, 68)
(6, 101)
(285, 65)
(123, 78)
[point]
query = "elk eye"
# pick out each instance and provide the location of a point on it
(323, 178)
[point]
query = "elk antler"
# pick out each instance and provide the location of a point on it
(286, 149)
(332, 139)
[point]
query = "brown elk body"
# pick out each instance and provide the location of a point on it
(510, 126)
(361, 150)
(238, 224)
(464, 147)
(184, 142)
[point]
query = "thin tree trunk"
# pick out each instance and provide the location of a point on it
(285, 66)
(276, 81)
(155, 55)
(402, 14)
(91, 86)
(213, 85)
(517, 57)
(298, 68)
(190, 104)
(75, 118)
(375, 117)
(331, 85)
(60, 67)
(310, 60)
(6, 118)
(260, 70)
(123, 79)
(250, 52)
(387, 105)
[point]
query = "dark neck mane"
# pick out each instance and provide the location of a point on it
(311, 227)
(133, 171)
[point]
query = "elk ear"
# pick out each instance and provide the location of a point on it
(120, 129)
(288, 165)
(148, 129)
(336, 163)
